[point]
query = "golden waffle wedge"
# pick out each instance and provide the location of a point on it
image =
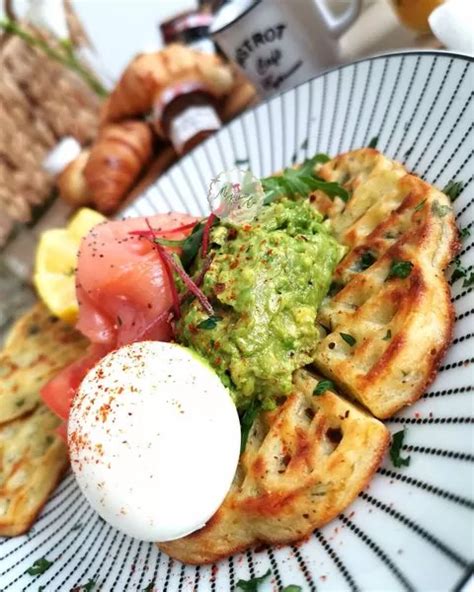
(401, 326)
(32, 460)
(303, 464)
(37, 347)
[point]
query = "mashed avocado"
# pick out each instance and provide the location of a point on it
(266, 282)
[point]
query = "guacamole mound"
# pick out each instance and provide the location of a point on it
(266, 282)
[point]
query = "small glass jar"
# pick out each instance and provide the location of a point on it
(191, 29)
(186, 114)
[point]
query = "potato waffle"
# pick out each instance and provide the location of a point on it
(38, 346)
(32, 460)
(400, 326)
(303, 464)
(32, 456)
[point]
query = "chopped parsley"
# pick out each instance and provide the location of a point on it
(20, 402)
(373, 142)
(439, 210)
(39, 567)
(246, 422)
(461, 272)
(399, 269)
(395, 448)
(292, 588)
(148, 588)
(209, 323)
(469, 281)
(388, 335)
(253, 584)
(420, 205)
(453, 189)
(366, 260)
(334, 288)
(323, 386)
(465, 232)
(88, 587)
(301, 181)
(348, 338)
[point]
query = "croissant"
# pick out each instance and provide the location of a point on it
(149, 73)
(71, 182)
(117, 158)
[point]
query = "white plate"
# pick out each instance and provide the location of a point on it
(412, 527)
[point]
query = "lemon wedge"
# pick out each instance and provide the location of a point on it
(56, 259)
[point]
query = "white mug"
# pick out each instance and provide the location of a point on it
(281, 43)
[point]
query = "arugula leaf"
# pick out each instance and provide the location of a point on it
(246, 422)
(39, 567)
(453, 189)
(192, 244)
(292, 588)
(395, 448)
(373, 142)
(348, 338)
(301, 181)
(253, 584)
(439, 210)
(399, 269)
(388, 335)
(209, 323)
(323, 386)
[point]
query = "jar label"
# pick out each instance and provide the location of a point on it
(191, 122)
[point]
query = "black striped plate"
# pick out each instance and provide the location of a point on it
(412, 528)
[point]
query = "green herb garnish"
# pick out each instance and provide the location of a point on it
(348, 338)
(420, 205)
(365, 261)
(209, 323)
(88, 587)
(20, 402)
(334, 288)
(373, 142)
(388, 335)
(323, 386)
(395, 448)
(39, 567)
(439, 210)
(459, 271)
(292, 588)
(464, 232)
(246, 422)
(253, 584)
(301, 181)
(469, 281)
(453, 189)
(149, 588)
(399, 269)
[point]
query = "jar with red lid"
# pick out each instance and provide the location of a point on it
(190, 28)
(186, 114)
